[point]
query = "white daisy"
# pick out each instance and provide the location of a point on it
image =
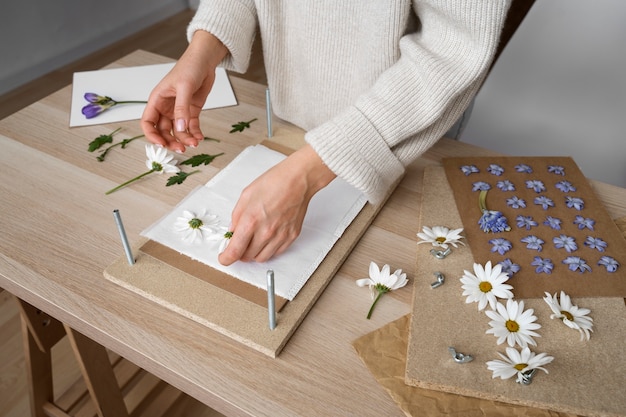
(485, 285)
(382, 281)
(195, 228)
(512, 324)
(223, 235)
(159, 160)
(519, 363)
(440, 236)
(571, 315)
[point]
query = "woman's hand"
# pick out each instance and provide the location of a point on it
(171, 117)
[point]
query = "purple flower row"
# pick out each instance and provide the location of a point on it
(536, 185)
(496, 169)
(527, 222)
(533, 242)
(545, 265)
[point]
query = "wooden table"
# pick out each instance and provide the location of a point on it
(58, 235)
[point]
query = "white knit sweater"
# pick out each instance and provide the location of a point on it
(374, 83)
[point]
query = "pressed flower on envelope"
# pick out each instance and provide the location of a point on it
(485, 285)
(572, 316)
(513, 324)
(440, 236)
(382, 281)
(518, 363)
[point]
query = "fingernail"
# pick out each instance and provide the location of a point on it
(180, 125)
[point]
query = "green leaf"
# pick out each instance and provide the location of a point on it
(98, 142)
(179, 178)
(213, 139)
(201, 159)
(239, 127)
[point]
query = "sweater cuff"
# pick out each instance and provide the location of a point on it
(233, 24)
(352, 148)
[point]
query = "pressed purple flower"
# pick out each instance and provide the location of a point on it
(583, 222)
(493, 221)
(553, 222)
(533, 242)
(556, 169)
(481, 186)
(495, 169)
(565, 242)
(542, 265)
(523, 168)
(505, 185)
(609, 263)
(509, 267)
(515, 202)
(536, 185)
(96, 98)
(544, 202)
(595, 243)
(98, 104)
(469, 169)
(500, 245)
(576, 263)
(565, 186)
(525, 222)
(93, 109)
(574, 202)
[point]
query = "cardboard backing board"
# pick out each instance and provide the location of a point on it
(586, 377)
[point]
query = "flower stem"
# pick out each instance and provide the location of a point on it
(112, 190)
(482, 200)
(131, 102)
(369, 314)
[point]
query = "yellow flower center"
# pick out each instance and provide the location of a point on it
(568, 315)
(440, 239)
(195, 223)
(520, 366)
(512, 326)
(485, 286)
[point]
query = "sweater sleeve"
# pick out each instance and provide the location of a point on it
(415, 101)
(234, 23)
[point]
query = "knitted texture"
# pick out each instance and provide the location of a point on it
(374, 83)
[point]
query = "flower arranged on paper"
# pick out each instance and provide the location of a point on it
(574, 202)
(381, 281)
(576, 263)
(536, 185)
(525, 222)
(491, 220)
(509, 267)
(556, 169)
(595, 243)
(520, 363)
(223, 236)
(513, 324)
(495, 169)
(565, 242)
(440, 236)
(533, 242)
(583, 222)
(159, 161)
(196, 227)
(485, 285)
(515, 202)
(481, 186)
(542, 265)
(553, 222)
(239, 127)
(609, 263)
(500, 245)
(523, 168)
(565, 186)
(469, 169)
(505, 185)
(544, 202)
(572, 316)
(98, 104)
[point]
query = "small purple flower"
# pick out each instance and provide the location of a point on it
(536, 185)
(574, 202)
(97, 104)
(525, 222)
(553, 222)
(576, 263)
(565, 186)
(493, 221)
(469, 169)
(481, 186)
(565, 242)
(543, 265)
(533, 242)
(515, 202)
(595, 243)
(583, 222)
(544, 202)
(509, 268)
(523, 168)
(556, 169)
(609, 263)
(495, 169)
(505, 185)
(500, 245)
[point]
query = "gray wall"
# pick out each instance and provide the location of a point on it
(38, 36)
(559, 88)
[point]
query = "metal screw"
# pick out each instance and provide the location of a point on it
(460, 357)
(440, 280)
(439, 254)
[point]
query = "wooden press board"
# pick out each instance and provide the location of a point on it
(222, 310)
(586, 378)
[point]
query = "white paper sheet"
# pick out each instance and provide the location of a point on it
(134, 84)
(330, 211)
